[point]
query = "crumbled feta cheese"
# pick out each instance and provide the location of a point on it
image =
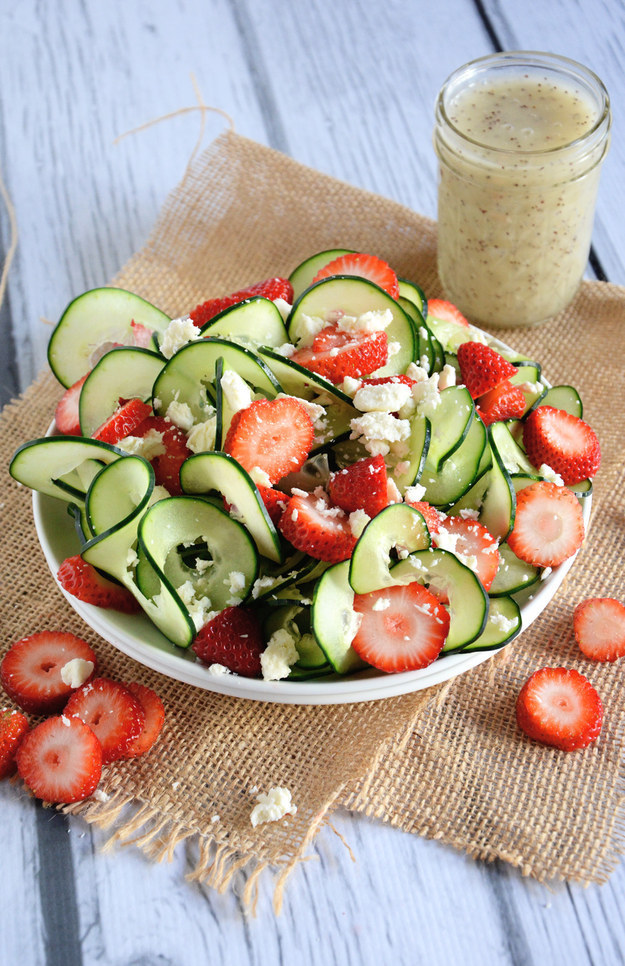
(374, 321)
(147, 446)
(131, 559)
(350, 386)
(260, 477)
(237, 392)
(178, 333)
(388, 397)
(201, 564)
(550, 474)
(447, 377)
(218, 670)
(426, 395)
(199, 608)
(309, 326)
(358, 520)
(262, 583)
(100, 795)
(272, 806)
(414, 494)
(545, 573)
(350, 622)
(179, 413)
(278, 656)
(417, 373)
(402, 467)
(382, 603)
(469, 514)
(503, 623)
(215, 818)
(449, 541)
(283, 307)
(394, 496)
(393, 348)
(380, 426)
(74, 673)
(285, 350)
(534, 387)
(235, 581)
(202, 436)
(314, 410)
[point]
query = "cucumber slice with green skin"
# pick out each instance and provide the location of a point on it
(118, 493)
(171, 523)
(296, 380)
(450, 334)
(582, 489)
(425, 352)
(450, 422)
(204, 472)
(460, 471)
(498, 508)
(255, 320)
(419, 443)
(334, 621)
(355, 296)
(562, 397)
(439, 354)
(397, 526)
(528, 372)
(472, 499)
(123, 373)
(92, 319)
(521, 480)
(513, 574)
(468, 601)
(78, 515)
(503, 624)
(53, 465)
(512, 456)
(185, 377)
(301, 277)
(414, 293)
(291, 618)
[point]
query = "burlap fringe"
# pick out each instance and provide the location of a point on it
(217, 864)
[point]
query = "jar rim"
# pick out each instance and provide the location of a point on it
(531, 59)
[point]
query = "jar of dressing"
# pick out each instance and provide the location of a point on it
(520, 138)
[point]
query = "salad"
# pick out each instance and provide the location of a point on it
(314, 475)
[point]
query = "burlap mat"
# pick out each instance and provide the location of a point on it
(447, 763)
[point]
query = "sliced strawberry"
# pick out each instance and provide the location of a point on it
(473, 544)
(233, 638)
(505, 401)
(599, 625)
(482, 368)
(271, 288)
(445, 312)
(384, 380)
(66, 413)
(114, 714)
(275, 502)
(141, 335)
(275, 435)
(60, 760)
(361, 486)
(317, 528)
(336, 354)
(430, 514)
(363, 266)
(13, 726)
(548, 527)
(33, 670)
(154, 712)
(83, 581)
(403, 628)
(123, 422)
(564, 442)
(167, 465)
(560, 707)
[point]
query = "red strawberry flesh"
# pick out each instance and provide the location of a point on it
(562, 441)
(233, 639)
(154, 713)
(482, 368)
(123, 422)
(363, 266)
(82, 580)
(548, 526)
(273, 435)
(111, 711)
(560, 707)
(32, 670)
(60, 760)
(317, 528)
(66, 415)
(335, 354)
(271, 288)
(13, 726)
(599, 625)
(361, 486)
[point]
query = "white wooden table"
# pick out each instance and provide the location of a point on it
(346, 86)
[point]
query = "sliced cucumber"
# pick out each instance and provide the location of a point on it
(503, 624)
(468, 601)
(499, 503)
(205, 472)
(408, 290)
(299, 381)
(119, 492)
(450, 422)
(301, 277)
(513, 574)
(56, 465)
(512, 456)
(419, 443)
(333, 619)
(460, 471)
(425, 352)
(126, 372)
(562, 397)
(397, 526)
(185, 377)
(450, 334)
(92, 319)
(181, 521)
(255, 320)
(355, 296)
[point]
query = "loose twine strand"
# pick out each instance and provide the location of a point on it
(201, 106)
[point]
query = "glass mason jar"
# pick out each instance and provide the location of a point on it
(520, 138)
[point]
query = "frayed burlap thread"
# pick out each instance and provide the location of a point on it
(453, 768)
